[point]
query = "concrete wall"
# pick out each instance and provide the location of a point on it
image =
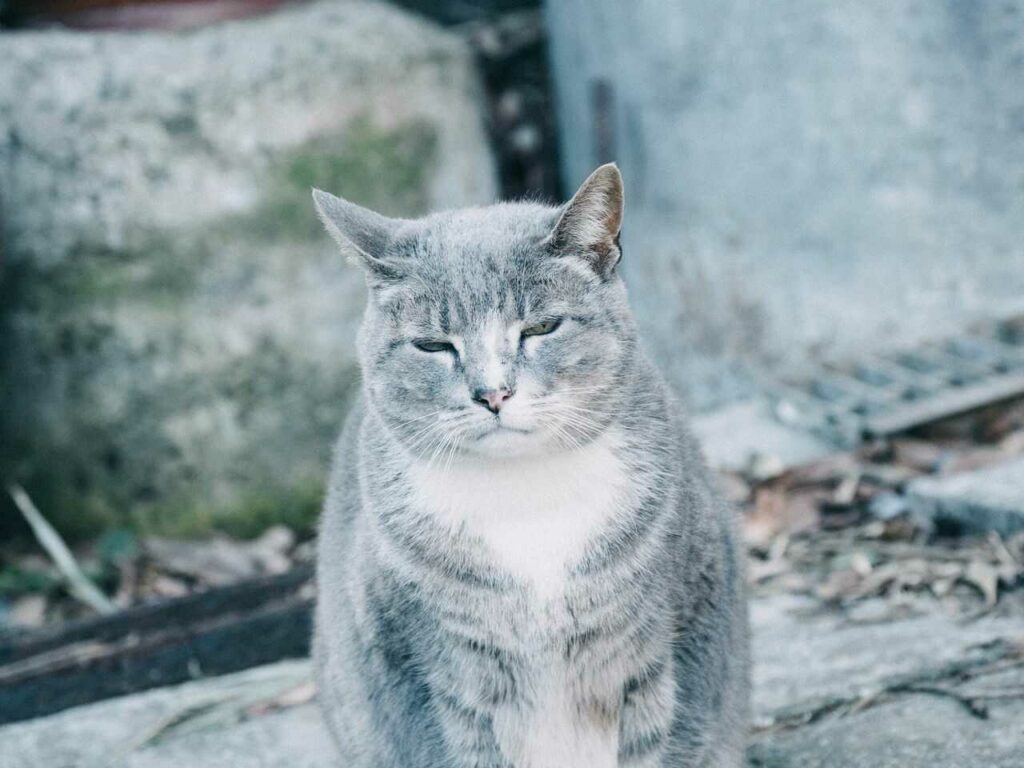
(802, 174)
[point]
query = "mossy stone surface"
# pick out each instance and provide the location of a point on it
(178, 332)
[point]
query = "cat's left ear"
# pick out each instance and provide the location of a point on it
(590, 223)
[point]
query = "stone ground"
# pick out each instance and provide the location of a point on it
(876, 641)
(825, 693)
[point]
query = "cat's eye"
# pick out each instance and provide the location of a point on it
(542, 328)
(426, 345)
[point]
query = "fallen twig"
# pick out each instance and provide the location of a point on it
(971, 703)
(79, 584)
(243, 701)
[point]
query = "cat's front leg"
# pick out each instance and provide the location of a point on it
(647, 712)
(469, 735)
(557, 731)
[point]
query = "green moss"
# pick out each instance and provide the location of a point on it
(155, 268)
(88, 441)
(16, 581)
(297, 507)
(76, 515)
(135, 479)
(386, 170)
(81, 517)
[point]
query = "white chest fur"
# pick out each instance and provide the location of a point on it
(535, 515)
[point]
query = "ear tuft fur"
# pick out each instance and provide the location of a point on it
(359, 232)
(590, 223)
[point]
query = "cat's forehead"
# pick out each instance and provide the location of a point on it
(469, 238)
(464, 266)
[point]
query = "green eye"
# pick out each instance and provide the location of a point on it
(427, 345)
(541, 329)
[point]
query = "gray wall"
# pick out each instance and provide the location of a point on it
(802, 175)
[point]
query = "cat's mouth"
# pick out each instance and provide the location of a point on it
(503, 440)
(499, 428)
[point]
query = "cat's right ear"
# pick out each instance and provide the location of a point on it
(362, 234)
(590, 222)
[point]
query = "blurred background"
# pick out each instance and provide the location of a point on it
(824, 244)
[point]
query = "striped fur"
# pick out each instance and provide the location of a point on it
(554, 586)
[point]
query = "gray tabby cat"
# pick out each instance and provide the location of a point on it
(522, 560)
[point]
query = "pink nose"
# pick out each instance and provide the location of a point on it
(492, 399)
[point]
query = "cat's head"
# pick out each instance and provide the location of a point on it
(494, 331)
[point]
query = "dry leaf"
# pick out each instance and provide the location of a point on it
(985, 579)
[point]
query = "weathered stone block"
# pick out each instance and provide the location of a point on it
(177, 331)
(814, 177)
(989, 499)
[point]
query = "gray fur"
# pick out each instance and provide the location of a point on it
(422, 641)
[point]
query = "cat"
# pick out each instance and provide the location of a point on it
(522, 559)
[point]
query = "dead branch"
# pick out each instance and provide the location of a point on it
(79, 584)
